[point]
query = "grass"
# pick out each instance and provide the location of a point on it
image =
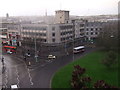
(94, 69)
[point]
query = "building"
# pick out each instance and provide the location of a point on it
(49, 37)
(14, 37)
(62, 16)
(10, 33)
(92, 30)
(3, 36)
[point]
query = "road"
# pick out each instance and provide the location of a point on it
(38, 77)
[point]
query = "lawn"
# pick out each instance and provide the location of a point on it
(94, 69)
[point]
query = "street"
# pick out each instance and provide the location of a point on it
(18, 73)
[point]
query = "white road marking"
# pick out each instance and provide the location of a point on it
(28, 70)
(31, 83)
(6, 77)
(18, 81)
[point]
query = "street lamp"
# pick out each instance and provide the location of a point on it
(36, 56)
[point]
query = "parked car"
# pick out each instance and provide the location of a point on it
(51, 56)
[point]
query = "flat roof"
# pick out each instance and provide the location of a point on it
(61, 11)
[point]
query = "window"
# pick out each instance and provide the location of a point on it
(91, 33)
(53, 34)
(53, 28)
(91, 29)
(81, 30)
(87, 33)
(100, 28)
(53, 40)
(96, 29)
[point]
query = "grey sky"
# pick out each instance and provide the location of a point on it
(76, 7)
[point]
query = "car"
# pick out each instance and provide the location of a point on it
(51, 56)
(27, 54)
(9, 52)
(14, 87)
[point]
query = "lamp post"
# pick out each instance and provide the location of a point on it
(36, 56)
(73, 21)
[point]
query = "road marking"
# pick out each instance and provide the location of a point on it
(31, 83)
(28, 70)
(6, 77)
(18, 81)
(15, 65)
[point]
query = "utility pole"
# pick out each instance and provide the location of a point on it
(36, 51)
(73, 21)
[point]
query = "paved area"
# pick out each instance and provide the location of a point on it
(38, 74)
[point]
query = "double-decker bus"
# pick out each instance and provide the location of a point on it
(79, 49)
(9, 49)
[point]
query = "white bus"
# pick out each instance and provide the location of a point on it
(79, 49)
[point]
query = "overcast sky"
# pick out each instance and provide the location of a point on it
(76, 7)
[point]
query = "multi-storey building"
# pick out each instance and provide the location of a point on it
(92, 30)
(53, 36)
(60, 35)
(14, 34)
(52, 33)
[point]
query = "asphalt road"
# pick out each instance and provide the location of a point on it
(16, 71)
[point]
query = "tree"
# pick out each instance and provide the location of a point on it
(80, 82)
(108, 37)
(110, 59)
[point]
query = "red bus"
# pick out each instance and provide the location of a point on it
(9, 49)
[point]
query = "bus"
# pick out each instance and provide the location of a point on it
(9, 49)
(79, 49)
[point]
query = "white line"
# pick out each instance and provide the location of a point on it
(6, 77)
(18, 81)
(31, 83)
